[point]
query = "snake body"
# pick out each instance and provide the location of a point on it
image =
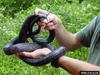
(21, 43)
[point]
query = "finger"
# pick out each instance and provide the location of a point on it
(50, 26)
(50, 18)
(41, 23)
(45, 21)
(18, 55)
(25, 54)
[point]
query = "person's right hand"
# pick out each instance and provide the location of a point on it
(52, 22)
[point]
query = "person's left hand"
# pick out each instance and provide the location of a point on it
(35, 54)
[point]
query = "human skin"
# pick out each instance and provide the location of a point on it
(66, 39)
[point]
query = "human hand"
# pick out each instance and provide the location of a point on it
(35, 54)
(52, 22)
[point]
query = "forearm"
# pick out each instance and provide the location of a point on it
(74, 66)
(66, 38)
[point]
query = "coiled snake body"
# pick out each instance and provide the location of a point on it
(21, 43)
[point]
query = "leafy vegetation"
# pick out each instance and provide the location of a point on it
(12, 14)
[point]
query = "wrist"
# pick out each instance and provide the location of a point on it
(59, 27)
(61, 59)
(59, 30)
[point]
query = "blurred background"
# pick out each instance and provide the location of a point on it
(75, 14)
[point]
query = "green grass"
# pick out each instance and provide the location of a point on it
(74, 17)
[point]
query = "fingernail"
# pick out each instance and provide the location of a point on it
(45, 21)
